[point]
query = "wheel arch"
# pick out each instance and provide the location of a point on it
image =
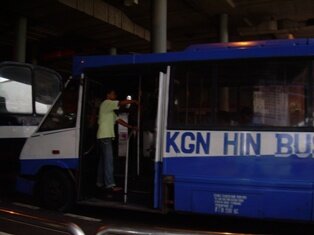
(54, 170)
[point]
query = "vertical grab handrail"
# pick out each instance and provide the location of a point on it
(125, 197)
(139, 126)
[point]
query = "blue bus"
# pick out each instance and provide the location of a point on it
(224, 129)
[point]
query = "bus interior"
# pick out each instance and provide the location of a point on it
(135, 176)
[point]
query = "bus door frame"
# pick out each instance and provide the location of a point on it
(162, 113)
(80, 134)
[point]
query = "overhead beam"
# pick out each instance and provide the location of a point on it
(280, 33)
(231, 3)
(110, 15)
(266, 27)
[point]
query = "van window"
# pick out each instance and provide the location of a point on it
(64, 112)
(46, 88)
(15, 90)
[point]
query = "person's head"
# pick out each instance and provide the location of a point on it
(111, 94)
(246, 115)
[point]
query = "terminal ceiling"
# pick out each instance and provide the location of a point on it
(58, 29)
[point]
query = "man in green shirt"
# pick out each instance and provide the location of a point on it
(105, 134)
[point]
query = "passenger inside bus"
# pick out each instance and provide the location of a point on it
(133, 152)
(246, 116)
(105, 135)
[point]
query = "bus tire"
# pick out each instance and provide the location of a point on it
(56, 190)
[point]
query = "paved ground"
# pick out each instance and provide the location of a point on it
(91, 218)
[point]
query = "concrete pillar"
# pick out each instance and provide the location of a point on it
(159, 26)
(35, 54)
(21, 36)
(113, 51)
(223, 28)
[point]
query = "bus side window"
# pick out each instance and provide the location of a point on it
(192, 98)
(19, 80)
(64, 112)
(268, 92)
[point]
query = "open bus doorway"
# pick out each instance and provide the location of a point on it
(138, 179)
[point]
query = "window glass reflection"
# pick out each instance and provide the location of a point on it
(15, 90)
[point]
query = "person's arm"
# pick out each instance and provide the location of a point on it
(126, 102)
(123, 123)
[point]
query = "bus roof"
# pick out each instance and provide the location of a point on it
(214, 51)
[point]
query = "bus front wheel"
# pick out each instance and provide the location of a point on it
(56, 190)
